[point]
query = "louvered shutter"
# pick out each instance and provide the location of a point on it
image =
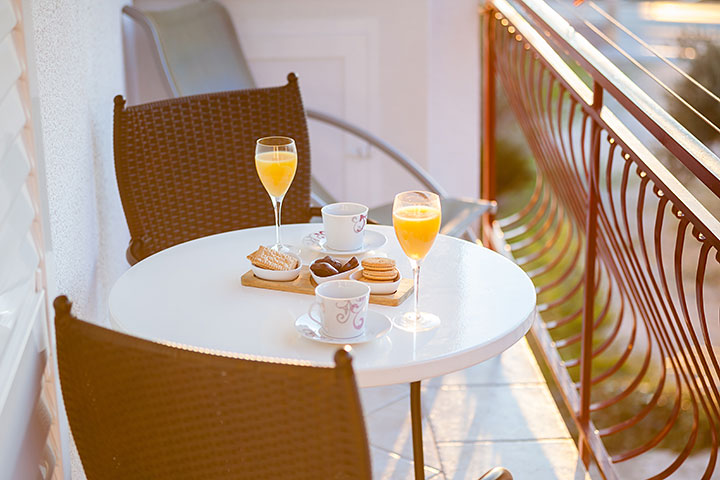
(29, 438)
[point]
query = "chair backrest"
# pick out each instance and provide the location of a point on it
(197, 48)
(140, 409)
(185, 166)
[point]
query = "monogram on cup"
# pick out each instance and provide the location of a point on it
(360, 221)
(351, 310)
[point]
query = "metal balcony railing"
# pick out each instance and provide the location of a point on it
(624, 256)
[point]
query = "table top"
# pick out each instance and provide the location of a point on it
(191, 294)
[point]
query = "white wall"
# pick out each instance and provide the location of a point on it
(404, 69)
(453, 146)
(78, 52)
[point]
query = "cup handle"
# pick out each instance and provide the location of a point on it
(312, 309)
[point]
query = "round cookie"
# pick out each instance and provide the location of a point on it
(378, 264)
(367, 280)
(381, 276)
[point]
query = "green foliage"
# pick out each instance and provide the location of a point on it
(705, 68)
(514, 165)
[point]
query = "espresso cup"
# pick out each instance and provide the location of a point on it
(340, 308)
(344, 225)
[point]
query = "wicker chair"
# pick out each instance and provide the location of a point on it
(140, 409)
(198, 51)
(185, 166)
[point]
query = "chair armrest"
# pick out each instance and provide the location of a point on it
(134, 252)
(315, 212)
(129, 255)
(416, 170)
(497, 473)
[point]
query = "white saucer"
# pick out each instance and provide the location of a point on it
(378, 325)
(372, 241)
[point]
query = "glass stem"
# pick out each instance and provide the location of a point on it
(416, 281)
(277, 205)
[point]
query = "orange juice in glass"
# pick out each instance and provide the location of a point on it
(416, 227)
(276, 163)
(276, 170)
(416, 218)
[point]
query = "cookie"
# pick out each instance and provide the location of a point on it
(378, 264)
(269, 259)
(367, 280)
(381, 276)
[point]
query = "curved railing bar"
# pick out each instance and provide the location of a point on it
(676, 138)
(544, 117)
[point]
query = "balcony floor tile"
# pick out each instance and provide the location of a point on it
(504, 412)
(541, 459)
(389, 428)
(497, 413)
(391, 466)
(374, 398)
(515, 365)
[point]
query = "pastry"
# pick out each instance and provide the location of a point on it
(328, 266)
(322, 269)
(337, 264)
(269, 259)
(349, 265)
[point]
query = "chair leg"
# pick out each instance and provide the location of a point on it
(416, 421)
(497, 473)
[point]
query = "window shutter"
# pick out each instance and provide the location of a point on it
(29, 437)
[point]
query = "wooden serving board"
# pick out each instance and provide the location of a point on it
(305, 284)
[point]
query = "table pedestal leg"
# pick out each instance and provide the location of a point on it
(416, 421)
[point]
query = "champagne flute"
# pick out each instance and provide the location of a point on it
(276, 163)
(416, 218)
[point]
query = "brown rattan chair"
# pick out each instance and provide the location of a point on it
(185, 166)
(144, 410)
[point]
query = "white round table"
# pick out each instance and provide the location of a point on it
(192, 294)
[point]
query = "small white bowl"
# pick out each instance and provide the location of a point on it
(337, 276)
(278, 275)
(378, 288)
